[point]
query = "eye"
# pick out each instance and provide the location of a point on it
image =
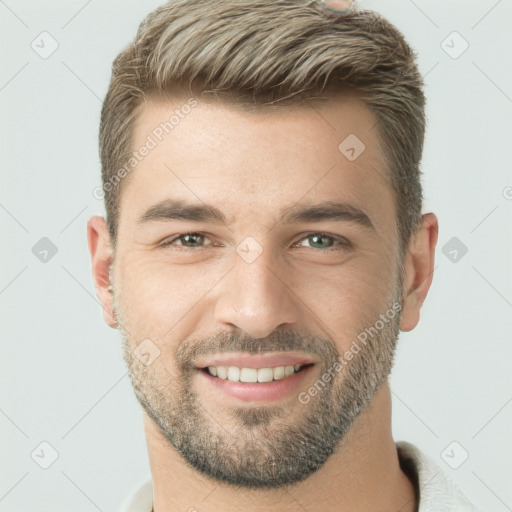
(189, 240)
(319, 241)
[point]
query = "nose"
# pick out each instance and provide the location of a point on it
(258, 297)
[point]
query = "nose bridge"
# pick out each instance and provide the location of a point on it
(257, 297)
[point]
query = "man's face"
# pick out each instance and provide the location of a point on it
(260, 283)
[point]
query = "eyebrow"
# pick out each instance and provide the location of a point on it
(175, 209)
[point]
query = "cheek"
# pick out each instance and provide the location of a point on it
(165, 300)
(345, 300)
(159, 297)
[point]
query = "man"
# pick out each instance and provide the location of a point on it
(263, 247)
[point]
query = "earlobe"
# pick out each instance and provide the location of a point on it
(98, 238)
(419, 271)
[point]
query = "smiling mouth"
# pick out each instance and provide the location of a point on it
(254, 375)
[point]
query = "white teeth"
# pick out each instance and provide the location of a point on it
(279, 373)
(235, 374)
(288, 370)
(222, 372)
(265, 375)
(248, 375)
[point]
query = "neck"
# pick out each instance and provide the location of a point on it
(363, 475)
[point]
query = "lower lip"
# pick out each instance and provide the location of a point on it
(262, 391)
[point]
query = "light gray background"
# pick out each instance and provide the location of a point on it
(63, 380)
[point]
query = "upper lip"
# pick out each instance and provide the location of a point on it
(255, 361)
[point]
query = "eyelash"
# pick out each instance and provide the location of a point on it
(344, 244)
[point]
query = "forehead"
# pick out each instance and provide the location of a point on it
(254, 163)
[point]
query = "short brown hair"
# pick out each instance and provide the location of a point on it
(270, 51)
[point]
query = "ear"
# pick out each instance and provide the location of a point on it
(419, 271)
(101, 256)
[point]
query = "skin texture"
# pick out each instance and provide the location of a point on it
(300, 295)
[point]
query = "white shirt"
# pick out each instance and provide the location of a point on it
(437, 492)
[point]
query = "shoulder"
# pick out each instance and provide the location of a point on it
(140, 499)
(437, 492)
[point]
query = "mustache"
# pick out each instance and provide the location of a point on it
(223, 342)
